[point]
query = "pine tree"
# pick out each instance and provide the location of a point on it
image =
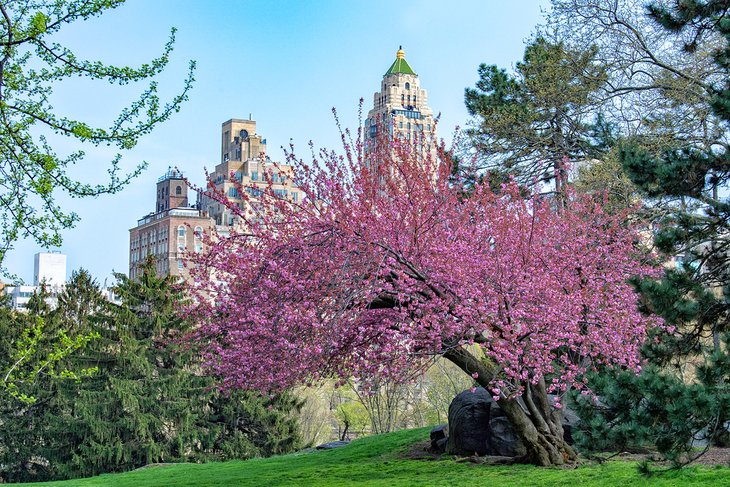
(527, 124)
(146, 402)
(684, 396)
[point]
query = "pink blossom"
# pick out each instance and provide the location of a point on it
(383, 265)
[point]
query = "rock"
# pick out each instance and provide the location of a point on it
(331, 445)
(440, 446)
(469, 423)
(477, 425)
(439, 433)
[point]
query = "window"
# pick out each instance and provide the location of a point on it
(181, 231)
(178, 191)
(294, 196)
(403, 99)
(409, 125)
(254, 176)
(225, 157)
(408, 85)
(238, 154)
(198, 232)
(179, 264)
(282, 178)
(400, 125)
(233, 192)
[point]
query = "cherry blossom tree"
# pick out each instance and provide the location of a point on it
(388, 262)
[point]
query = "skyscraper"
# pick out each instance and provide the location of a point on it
(400, 110)
(244, 163)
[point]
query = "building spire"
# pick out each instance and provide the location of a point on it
(400, 65)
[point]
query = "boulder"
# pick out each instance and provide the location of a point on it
(331, 445)
(439, 436)
(477, 425)
(469, 415)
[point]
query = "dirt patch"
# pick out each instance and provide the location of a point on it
(421, 451)
(714, 456)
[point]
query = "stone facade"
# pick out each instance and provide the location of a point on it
(175, 228)
(401, 109)
(244, 162)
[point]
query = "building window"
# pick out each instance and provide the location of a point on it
(403, 99)
(198, 232)
(254, 176)
(181, 231)
(414, 99)
(294, 196)
(225, 157)
(178, 191)
(408, 85)
(179, 264)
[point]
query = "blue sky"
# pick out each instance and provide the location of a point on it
(287, 63)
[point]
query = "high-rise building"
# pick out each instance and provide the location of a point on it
(49, 270)
(168, 233)
(177, 226)
(244, 166)
(49, 267)
(401, 109)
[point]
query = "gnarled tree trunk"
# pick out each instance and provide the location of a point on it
(538, 424)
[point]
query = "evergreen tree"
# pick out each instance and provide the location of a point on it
(684, 396)
(527, 124)
(34, 359)
(147, 401)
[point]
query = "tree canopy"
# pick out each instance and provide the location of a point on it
(32, 63)
(373, 273)
(528, 123)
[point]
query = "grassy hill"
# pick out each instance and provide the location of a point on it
(382, 460)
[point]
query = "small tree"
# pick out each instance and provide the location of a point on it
(377, 270)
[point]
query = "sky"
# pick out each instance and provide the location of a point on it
(286, 63)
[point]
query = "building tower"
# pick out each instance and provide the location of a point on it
(244, 161)
(173, 229)
(49, 267)
(401, 108)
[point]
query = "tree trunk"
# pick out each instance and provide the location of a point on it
(538, 425)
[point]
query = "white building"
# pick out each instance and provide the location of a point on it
(49, 267)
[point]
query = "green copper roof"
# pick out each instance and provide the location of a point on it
(400, 65)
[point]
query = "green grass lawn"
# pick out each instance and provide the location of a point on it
(379, 460)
